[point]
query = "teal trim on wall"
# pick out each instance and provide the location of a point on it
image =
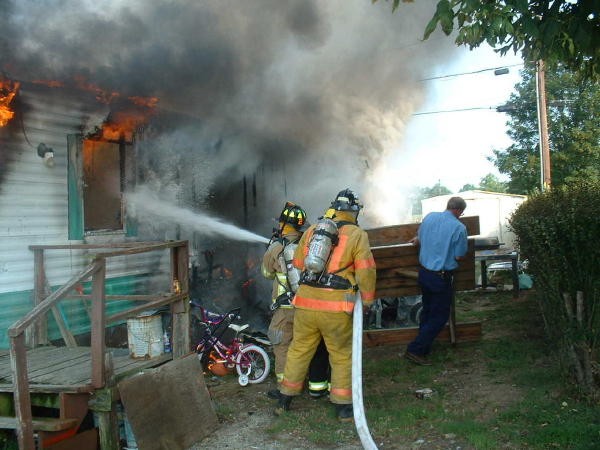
(15, 305)
(75, 196)
(131, 226)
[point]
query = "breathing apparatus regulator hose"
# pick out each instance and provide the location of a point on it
(360, 420)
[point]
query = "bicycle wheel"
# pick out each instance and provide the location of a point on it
(253, 362)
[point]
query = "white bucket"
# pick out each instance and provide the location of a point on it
(145, 336)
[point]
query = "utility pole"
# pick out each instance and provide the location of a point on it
(543, 125)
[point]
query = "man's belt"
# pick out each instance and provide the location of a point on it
(441, 273)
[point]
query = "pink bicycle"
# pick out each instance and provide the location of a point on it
(250, 361)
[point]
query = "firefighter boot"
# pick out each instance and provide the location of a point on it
(344, 413)
(283, 404)
(274, 394)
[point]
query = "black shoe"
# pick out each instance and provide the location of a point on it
(344, 413)
(274, 394)
(318, 394)
(417, 359)
(283, 404)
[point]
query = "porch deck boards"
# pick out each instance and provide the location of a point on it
(71, 366)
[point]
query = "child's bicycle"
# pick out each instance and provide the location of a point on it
(251, 361)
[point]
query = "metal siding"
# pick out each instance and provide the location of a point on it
(34, 209)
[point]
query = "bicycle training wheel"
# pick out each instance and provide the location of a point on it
(253, 362)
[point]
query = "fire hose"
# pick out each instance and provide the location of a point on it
(360, 420)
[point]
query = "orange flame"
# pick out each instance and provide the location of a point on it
(101, 95)
(49, 83)
(123, 124)
(8, 90)
(148, 102)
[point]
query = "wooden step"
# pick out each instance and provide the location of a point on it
(40, 423)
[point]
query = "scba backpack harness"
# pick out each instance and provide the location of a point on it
(325, 237)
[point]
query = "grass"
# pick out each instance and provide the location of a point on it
(505, 391)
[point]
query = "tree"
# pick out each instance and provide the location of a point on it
(434, 191)
(566, 31)
(424, 193)
(468, 187)
(491, 183)
(574, 130)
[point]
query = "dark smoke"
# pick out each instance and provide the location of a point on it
(320, 89)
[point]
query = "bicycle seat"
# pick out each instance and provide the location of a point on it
(238, 328)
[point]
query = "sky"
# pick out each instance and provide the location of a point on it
(451, 147)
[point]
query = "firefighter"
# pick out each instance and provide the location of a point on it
(325, 301)
(277, 265)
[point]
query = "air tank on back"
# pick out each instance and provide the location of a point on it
(322, 241)
(293, 274)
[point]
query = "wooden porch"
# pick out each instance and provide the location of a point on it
(67, 383)
(57, 369)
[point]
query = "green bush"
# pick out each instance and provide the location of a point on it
(558, 232)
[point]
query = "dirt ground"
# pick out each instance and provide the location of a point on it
(245, 412)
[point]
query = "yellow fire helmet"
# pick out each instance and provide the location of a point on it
(294, 215)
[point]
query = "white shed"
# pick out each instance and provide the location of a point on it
(493, 208)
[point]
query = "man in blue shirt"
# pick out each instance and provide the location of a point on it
(443, 242)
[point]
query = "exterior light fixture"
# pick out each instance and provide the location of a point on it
(47, 153)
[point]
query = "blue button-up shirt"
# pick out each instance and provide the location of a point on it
(442, 238)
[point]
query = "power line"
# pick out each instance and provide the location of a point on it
(470, 73)
(453, 110)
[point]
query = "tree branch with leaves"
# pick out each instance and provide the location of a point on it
(565, 31)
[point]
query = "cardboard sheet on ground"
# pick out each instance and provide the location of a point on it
(169, 407)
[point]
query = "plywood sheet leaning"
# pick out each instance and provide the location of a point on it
(398, 261)
(169, 407)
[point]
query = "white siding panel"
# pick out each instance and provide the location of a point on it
(33, 196)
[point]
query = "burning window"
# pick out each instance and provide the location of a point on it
(100, 171)
(102, 168)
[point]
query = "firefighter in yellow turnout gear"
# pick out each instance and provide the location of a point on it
(277, 265)
(324, 305)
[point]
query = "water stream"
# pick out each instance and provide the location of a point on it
(147, 203)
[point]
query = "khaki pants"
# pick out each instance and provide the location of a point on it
(336, 330)
(280, 334)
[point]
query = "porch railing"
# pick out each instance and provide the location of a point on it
(176, 296)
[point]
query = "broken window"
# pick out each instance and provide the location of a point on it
(99, 172)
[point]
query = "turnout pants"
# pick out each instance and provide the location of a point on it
(335, 328)
(319, 370)
(280, 334)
